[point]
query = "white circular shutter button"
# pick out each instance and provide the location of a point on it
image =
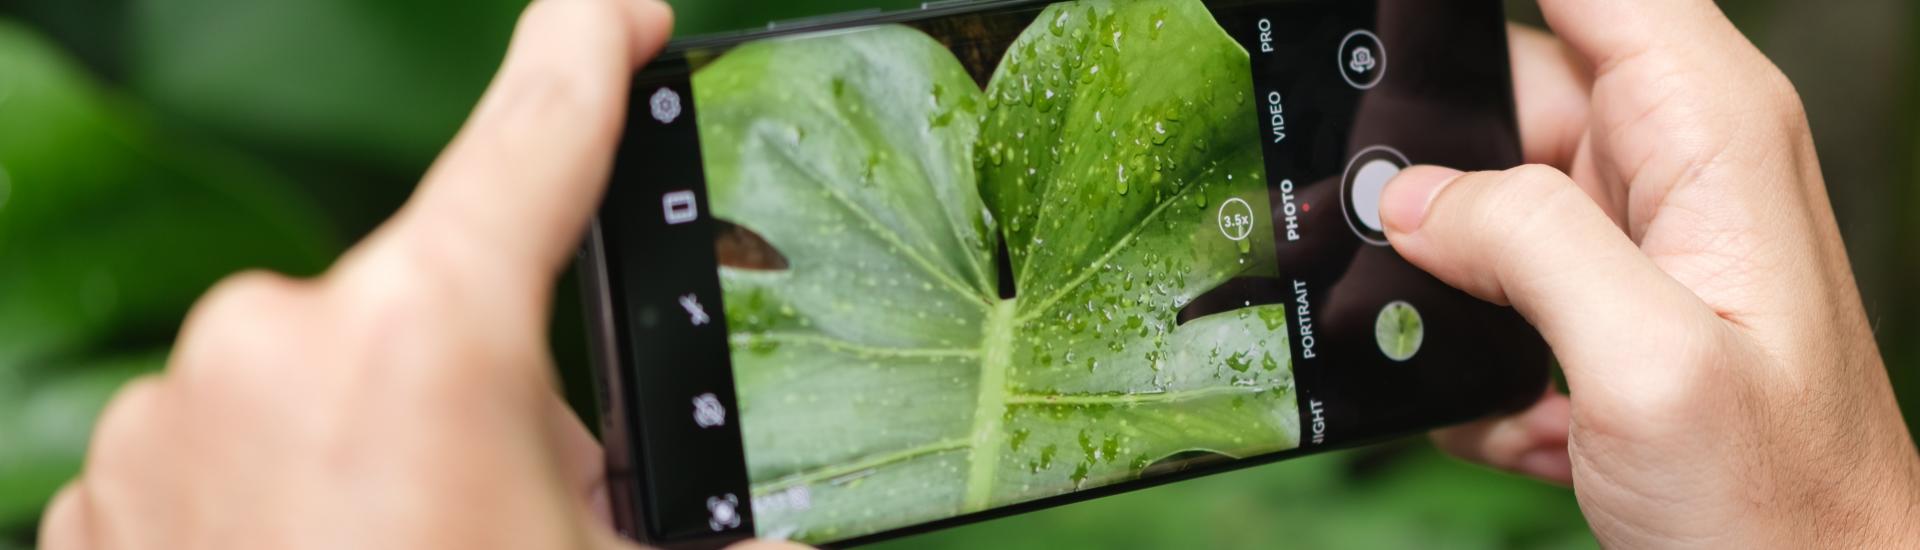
(1366, 178)
(1367, 187)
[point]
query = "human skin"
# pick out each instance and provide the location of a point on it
(405, 399)
(1675, 246)
(1689, 275)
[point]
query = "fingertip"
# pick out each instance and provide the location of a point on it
(652, 22)
(1548, 425)
(1404, 203)
(1531, 443)
(1551, 418)
(1552, 465)
(507, 202)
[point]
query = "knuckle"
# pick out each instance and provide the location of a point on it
(245, 319)
(407, 280)
(1523, 198)
(65, 524)
(1536, 181)
(243, 296)
(1787, 101)
(408, 311)
(1546, 194)
(126, 426)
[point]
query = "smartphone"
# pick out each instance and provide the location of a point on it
(868, 276)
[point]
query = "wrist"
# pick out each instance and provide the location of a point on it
(1891, 514)
(1903, 517)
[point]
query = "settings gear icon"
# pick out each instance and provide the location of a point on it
(666, 105)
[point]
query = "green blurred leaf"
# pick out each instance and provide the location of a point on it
(1396, 496)
(108, 232)
(853, 154)
(697, 17)
(384, 81)
(47, 427)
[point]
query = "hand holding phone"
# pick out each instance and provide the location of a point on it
(401, 400)
(886, 274)
(1654, 138)
(1676, 248)
(405, 399)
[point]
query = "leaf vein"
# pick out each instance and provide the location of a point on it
(880, 229)
(817, 475)
(1027, 399)
(1088, 271)
(749, 339)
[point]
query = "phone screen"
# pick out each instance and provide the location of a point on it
(858, 279)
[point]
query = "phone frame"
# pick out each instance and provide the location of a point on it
(609, 350)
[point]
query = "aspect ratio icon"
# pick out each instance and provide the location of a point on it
(679, 207)
(1363, 59)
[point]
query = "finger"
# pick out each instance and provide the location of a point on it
(1552, 87)
(66, 522)
(1550, 84)
(513, 193)
(1528, 237)
(133, 459)
(1532, 443)
(582, 460)
(1609, 31)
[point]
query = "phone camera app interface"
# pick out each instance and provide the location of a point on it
(987, 257)
(984, 278)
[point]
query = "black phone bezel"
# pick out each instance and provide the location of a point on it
(601, 298)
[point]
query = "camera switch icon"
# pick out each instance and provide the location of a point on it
(1362, 60)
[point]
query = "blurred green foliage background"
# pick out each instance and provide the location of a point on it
(148, 147)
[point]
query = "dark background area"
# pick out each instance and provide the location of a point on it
(148, 147)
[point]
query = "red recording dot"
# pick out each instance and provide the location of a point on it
(1304, 207)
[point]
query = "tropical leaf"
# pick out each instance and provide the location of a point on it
(885, 380)
(860, 364)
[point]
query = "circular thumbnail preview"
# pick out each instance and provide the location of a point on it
(1399, 331)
